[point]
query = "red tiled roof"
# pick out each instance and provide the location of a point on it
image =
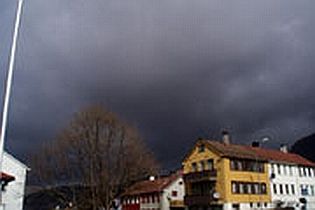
(248, 152)
(6, 177)
(148, 186)
(278, 156)
(233, 150)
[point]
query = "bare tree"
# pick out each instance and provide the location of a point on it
(98, 151)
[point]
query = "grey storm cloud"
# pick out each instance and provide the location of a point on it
(177, 70)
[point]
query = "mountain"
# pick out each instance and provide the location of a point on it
(305, 147)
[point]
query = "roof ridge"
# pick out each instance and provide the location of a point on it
(259, 152)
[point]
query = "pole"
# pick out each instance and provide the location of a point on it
(9, 80)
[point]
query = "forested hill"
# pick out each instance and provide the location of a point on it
(305, 147)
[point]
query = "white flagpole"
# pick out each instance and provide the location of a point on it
(9, 80)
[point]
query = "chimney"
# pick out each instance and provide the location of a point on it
(226, 137)
(255, 144)
(284, 148)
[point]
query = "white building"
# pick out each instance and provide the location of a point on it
(293, 184)
(13, 177)
(156, 194)
(292, 179)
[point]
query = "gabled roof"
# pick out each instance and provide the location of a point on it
(234, 151)
(147, 186)
(278, 156)
(256, 153)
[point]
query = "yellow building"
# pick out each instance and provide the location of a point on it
(225, 176)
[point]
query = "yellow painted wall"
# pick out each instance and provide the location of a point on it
(225, 176)
(196, 156)
(218, 165)
(245, 176)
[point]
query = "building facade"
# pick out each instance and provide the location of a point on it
(14, 176)
(292, 179)
(225, 176)
(163, 193)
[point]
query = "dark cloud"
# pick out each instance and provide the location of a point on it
(176, 70)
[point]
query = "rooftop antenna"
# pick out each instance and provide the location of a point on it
(9, 80)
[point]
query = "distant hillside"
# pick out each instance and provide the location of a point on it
(305, 147)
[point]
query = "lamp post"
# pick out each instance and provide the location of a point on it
(9, 81)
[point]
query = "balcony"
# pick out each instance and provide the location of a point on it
(199, 176)
(192, 200)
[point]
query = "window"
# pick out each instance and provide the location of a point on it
(239, 165)
(279, 169)
(292, 189)
(253, 190)
(202, 165)
(235, 206)
(233, 165)
(274, 188)
(210, 164)
(312, 190)
(174, 193)
(256, 187)
(287, 189)
(201, 148)
(263, 188)
(280, 189)
(246, 165)
(194, 167)
(284, 170)
(241, 188)
(304, 171)
(301, 171)
(153, 199)
(234, 188)
(304, 190)
(237, 185)
(249, 188)
(251, 205)
(290, 170)
(245, 186)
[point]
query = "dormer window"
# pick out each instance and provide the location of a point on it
(201, 148)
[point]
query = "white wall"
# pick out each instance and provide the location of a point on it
(12, 198)
(247, 206)
(308, 181)
(177, 185)
(290, 175)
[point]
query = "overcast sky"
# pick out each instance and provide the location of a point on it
(175, 69)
